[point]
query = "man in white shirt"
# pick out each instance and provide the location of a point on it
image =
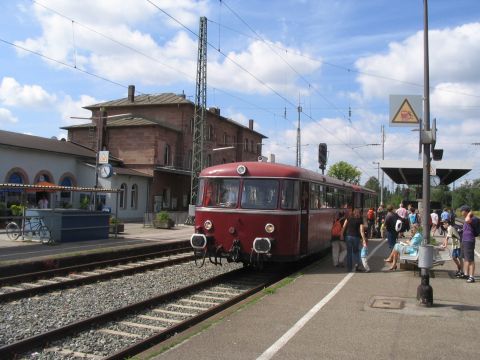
(434, 217)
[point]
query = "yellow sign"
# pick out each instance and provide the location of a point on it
(103, 157)
(405, 114)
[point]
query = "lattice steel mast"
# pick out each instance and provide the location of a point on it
(200, 109)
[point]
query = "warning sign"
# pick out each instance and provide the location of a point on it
(405, 110)
(103, 157)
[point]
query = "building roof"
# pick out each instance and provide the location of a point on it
(128, 121)
(18, 140)
(145, 99)
(411, 172)
(128, 171)
(159, 99)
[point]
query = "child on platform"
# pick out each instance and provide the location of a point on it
(364, 255)
(453, 235)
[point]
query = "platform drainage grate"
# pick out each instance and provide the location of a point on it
(394, 304)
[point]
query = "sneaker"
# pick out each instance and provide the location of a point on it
(470, 279)
(459, 274)
(465, 276)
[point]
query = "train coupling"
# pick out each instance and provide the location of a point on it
(263, 245)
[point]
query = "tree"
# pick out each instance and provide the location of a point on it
(373, 184)
(344, 171)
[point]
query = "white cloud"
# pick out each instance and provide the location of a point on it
(70, 107)
(6, 116)
(454, 75)
(263, 64)
(32, 96)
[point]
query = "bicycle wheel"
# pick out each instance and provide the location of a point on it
(44, 234)
(13, 230)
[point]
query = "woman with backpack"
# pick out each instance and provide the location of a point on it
(339, 248)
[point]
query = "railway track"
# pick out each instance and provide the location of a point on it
(131, 329)
(25, 285)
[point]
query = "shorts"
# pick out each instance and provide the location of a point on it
(456, 253)
(468, 251)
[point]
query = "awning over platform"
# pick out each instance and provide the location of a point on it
(411, 172)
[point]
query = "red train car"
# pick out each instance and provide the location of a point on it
(253, 212)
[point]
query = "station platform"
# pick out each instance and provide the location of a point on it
(326, 313)
(135, 235)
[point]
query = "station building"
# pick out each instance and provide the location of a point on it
(153, 135)
(32, 160)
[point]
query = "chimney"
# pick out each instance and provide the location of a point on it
(215, 110)
(131, 93)
(250, 124)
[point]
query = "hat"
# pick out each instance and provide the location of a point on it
(465, 208)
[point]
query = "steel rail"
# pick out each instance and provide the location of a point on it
(15, 279)
(93, 278)
(11, 351)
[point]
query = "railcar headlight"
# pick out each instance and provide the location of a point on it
(207, 225)
(269, 228)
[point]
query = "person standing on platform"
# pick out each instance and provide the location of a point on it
(380, 220)
(370, 223)
(353, 229)
(434, 217)
(390, 222)
(453, 236)
(470, 231)
(339, 248)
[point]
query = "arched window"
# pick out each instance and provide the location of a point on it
(122, 202)
(251, 145)
(245, 146)
(14, 196)
(225, 138)
(134, 196)
(15, 178)
(166, 155)
(209, 160)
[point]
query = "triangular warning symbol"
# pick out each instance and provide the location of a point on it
(405, 114)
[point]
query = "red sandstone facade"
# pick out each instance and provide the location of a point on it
(155, 137)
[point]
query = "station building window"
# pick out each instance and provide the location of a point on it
(134, 196)
(166, 155)
(123, 196)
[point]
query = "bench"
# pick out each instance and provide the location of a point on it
(440, 255)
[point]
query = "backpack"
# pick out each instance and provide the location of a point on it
(337, 229)
(371, 214)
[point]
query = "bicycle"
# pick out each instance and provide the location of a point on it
(32, 227)
(13, 230)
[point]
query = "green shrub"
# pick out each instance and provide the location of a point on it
(163, 216)
(17, 210)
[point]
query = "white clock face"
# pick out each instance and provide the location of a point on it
(434, 180)
(105, 171)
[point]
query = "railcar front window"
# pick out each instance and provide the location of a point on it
(221, 192)
(260, 194)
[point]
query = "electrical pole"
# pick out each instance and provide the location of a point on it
(425, 259)
(383, 158)
(199, 115)
(299, 145)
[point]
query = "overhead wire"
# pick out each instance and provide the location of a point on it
(131, 48)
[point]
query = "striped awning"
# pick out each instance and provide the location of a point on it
(48, 188)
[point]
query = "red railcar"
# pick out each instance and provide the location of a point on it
(253, 212)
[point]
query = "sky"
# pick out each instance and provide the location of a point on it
(339, 60)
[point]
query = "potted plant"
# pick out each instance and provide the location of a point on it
(163, 221)
(118, 223)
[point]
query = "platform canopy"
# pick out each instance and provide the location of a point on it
(411, 172)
